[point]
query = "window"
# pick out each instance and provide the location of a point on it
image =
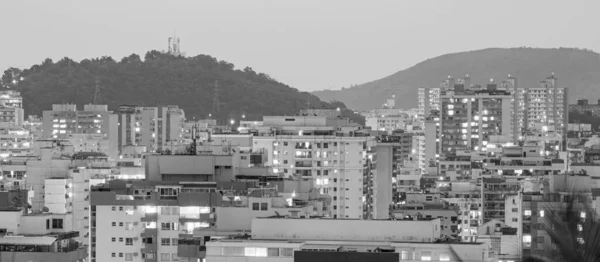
(57, 223)
(174, 257)
(255, 251)
(120, 208)
(114, 209)
(120, 254)
(114, 224)
(287, 252)
(128, 256)
(129, 241)
(113, 254)
(47, 223)
(273, 252)
(233, 251)
(527, 240)
(444, 257)
(120, 239)
(263, 206)
(174, 241)
(120, 224)
(527, 212)
(113, 239)
(540, 239)
(169, 226)
(541, 213)
(515, 220)
(165, 256)
(425, 255)
(515, 210)
(255, 206)
(404, 255)
(165, 210)
(165, 241)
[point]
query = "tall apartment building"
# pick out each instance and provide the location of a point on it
(329, 150)
(64, 121)
(150, 221)
(157, 128)
(470, 116)
(548, 104)
(11, 109)
(428, 100)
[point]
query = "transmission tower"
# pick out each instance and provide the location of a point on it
(216, 105)
(97, 94)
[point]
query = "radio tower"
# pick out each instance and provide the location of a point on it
(216, 106)
(97, 95)
(174, 46)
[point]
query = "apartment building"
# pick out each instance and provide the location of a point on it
(494, 192)
(15, 141)
(11, 108)
(428, 100)
(470, 116)
(583, 106)
(157, 128)
(387, 123)
(279, 239)
(39, 237)
(65, 121)
(144, 220)
(330, 151)
(466, 198)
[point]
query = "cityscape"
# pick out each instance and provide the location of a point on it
(170, 157)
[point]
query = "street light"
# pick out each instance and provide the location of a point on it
(244, 116)
(232, 122)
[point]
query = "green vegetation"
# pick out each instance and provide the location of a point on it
(160, 79)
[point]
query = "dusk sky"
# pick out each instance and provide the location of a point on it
(308, 44)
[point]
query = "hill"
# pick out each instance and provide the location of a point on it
(577, 69)
(160, 79)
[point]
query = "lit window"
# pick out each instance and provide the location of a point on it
(444, 257)
(425, 256)
(255, 251)
(527, 212)
(527, 240)
(541, 213)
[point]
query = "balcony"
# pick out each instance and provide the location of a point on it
(149, 232)
(149, 217)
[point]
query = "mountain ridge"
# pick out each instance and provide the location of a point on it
(161, 79)
(578, 69)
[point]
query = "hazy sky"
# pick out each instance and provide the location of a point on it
(308, 44)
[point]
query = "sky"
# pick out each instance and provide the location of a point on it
(307, 44)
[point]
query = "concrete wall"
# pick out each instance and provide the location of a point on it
(383, 182)
(342, 229)
(10, 221)
(73, 256)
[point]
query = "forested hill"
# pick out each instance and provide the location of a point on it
(159, 79)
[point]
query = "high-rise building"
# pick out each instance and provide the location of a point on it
(11, 108)
(546, 105)
(157, 128)
(331, 151)
(428, 100)
(470, 116)
(64, 121)
(145, 220)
